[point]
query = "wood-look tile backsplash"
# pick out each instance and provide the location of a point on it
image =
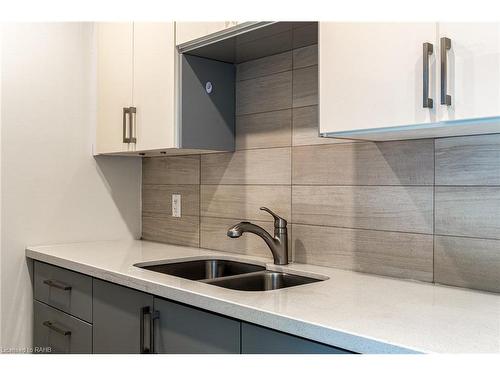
(423, 209)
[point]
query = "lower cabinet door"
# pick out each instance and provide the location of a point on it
(181, 329)
(260, 340)
(122, 319)
(57, 332)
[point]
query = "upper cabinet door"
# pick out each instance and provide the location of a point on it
(154, 85)
(371, 75)
(472, 71)
(114, 85)
(188, 31)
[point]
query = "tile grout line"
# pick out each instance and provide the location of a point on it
(325, 226)
(281, 53)
(277, 72)
(281, 109)
(276, 110)
(305, 185)
(468, 237)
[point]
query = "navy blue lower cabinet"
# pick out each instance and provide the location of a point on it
(259, 340)
(181, 329)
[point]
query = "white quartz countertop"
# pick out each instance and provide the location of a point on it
(358, 312)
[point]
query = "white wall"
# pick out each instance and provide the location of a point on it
(53, 190)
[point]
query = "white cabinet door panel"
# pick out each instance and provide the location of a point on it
(154, 85)
(370, 75)
(473, 70)
(114, 84)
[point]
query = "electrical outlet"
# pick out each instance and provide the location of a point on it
(176, 205)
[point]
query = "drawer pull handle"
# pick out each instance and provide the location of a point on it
(57, 284)
(55, 328)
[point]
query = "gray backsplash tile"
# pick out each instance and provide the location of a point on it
(305, 86)
(305, 56)
(171, 170)
(360, 206)
(391, 208)
(384, 253)
(265, 66)
(467, 262)
(178, 231)
(269, 93)
(305, 35)
(264, 166)
(264, 130)
(243, 202)
(473, 160)
(472, 211)
(365, 163)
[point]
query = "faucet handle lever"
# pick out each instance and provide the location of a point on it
(279, 222)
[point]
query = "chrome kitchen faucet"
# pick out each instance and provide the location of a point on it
(277, 244)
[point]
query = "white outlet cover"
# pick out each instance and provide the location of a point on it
(176, 205)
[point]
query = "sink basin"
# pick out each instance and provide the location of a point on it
(262, 281)
(230, 274)
(204, 269)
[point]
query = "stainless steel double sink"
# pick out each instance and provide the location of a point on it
(231, 274)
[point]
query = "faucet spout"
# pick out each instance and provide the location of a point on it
(277, 244)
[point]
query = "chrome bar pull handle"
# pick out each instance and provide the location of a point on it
(428, 50)
(148, 316)
(154, 316)
(145, 312)
(57, 284)
(132, 123)
(445, 44)
(126, 111)
(56, 329)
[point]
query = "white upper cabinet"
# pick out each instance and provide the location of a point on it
(473, 70)
(154, 85)
(376, 81)
(136, 87)
(141, 82)
(114, 85)
(370, 75)
(188, 31)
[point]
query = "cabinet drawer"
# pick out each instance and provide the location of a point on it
(57, 332)
(260, 340)
(65, 290)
